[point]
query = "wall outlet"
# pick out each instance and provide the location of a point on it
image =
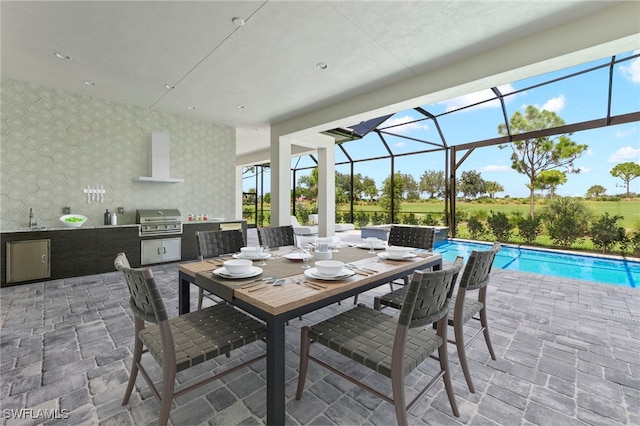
(66, 210)
(121, 210)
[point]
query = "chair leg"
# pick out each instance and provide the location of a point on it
(458, 330)
(137, 355)
(168, 385)
(399, 403)
(355, 299)
(376, 304)
(304, 360)
(200, 297)
(485, 326)
(444, 366)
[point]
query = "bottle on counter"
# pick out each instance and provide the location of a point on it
(107, 217)
(114, 219)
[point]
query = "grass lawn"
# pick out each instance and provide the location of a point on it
(628, 209)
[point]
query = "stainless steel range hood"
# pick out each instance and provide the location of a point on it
(159, 160)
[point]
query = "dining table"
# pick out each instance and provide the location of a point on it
(281, 290)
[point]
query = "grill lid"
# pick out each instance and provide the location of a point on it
(158, 215)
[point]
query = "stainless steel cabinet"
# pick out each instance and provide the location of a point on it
(28, 260)
(160, 250)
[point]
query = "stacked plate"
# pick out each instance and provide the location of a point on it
(252, 272)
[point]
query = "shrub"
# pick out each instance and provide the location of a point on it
(429, 220)
(409, 219)
(500, 225)
(566, 219)
(565, 231)
(362, 219)
(605, 232)
(529, 228)
(476, 228)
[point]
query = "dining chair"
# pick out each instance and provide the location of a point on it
(474, 277)
(181, 342)
(214, 244)
(276, 236)
(300, 229)
(392, 347)
(419, 237)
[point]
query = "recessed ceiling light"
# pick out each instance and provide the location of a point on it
(90, 83)
(192, 107)
(62, 56)
(322, 66)
(169, 86)
(240, 106)
(238, 22)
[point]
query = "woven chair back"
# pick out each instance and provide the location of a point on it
(476, 272)
(146, 301)
(427, 299)
(276, 236)
(216, 243)
(412, 236)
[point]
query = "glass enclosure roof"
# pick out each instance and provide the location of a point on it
(587, 96)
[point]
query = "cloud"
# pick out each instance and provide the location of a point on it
(475, 97)
(404, 124)
(626, 153)
(554, 104)
(631, 70)
(496, 168)
(583, 170)
(399, 144)
(624, 133)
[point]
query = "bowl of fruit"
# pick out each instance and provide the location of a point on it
(73, 220)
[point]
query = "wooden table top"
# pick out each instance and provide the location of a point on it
(299, 290)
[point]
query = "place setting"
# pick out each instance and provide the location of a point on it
(397, 253)
(236, 269)
(329, 270)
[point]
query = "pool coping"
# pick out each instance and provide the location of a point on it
(571, 252)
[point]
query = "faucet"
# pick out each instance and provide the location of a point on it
(32, 222)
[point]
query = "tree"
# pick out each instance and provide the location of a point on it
(369, 188)
(596, 191)
(491, 187)
(432, 182)
(471, 184)
(398, 188)
(627, 172)
(550, 180)
(535, 155)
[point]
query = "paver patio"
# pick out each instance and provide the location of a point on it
(568, 354)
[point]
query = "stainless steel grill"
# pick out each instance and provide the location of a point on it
(159, 222)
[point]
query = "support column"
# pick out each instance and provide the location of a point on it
(280, 180)
(239, 190)
(327, 188)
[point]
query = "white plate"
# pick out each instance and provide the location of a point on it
(313, 273)
(297, 257)
(222, 272)
(376, 247)
(385, 255)
(242, 256)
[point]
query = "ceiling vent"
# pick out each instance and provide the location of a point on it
(159, 160)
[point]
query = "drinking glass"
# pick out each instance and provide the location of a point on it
(264, 253)
(372, 244)
(306, 255)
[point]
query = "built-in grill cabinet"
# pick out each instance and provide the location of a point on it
(164, 223)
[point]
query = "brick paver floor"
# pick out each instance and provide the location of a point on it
(568, 354)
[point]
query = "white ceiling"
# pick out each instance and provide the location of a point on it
(382, 56)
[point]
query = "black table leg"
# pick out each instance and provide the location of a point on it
(184, 295)
(275, 372)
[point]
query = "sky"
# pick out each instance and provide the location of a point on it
(575, 100)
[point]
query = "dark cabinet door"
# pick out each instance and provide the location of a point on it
(73, 253)
(112, 241)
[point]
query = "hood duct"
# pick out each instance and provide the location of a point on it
(159, 160)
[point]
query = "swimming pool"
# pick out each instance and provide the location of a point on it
(591, 268)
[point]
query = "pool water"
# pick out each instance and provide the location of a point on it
(590, 268)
